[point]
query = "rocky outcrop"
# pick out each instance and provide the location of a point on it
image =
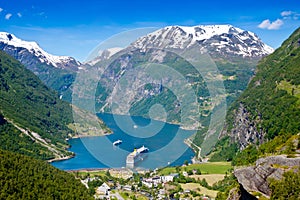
(234, 194)
(245, 131)
(239, 193)
(255, 178)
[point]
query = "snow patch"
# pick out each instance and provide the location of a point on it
(34, 48)
(180, 37)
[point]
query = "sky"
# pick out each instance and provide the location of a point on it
(75, 28)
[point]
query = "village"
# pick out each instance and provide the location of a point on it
(194, 181)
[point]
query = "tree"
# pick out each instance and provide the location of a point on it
(288, 187)
(186, 162)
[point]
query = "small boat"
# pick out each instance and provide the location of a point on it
(117, 142)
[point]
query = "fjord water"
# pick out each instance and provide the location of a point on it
(165, 142)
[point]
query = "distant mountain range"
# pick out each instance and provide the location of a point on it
(234, 51)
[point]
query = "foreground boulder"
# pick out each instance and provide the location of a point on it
(255, 178)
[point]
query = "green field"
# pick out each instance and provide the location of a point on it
(205, 168)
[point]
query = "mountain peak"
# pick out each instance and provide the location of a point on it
(222, 39)
(9, 39)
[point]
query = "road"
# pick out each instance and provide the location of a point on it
(111, 195)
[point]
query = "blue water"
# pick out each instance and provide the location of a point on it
(165, 143)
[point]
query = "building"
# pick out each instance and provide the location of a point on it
(103, 189)
(168, 178)
(154, 181)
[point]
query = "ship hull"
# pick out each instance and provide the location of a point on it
(136, 156)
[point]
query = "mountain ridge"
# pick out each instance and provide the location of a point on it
(219, 37)
(57, 72)
(33, 47)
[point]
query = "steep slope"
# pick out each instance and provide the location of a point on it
(33, 119)
(271, 100)
(57, 72)
(13, 139)
(22, 177)
(31, 107)
(264, 126)
(269, 107)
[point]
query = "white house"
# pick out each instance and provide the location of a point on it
(168, 178)
(148, 184)
(103, 189)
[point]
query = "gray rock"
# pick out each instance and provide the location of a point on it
(245, 130)
(255, 178)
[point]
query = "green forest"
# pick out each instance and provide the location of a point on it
(14, 140)
(22, 177)
(26, 101)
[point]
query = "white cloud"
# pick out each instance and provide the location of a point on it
(289, 15)
(8, 16)
(264, 24)
(267, 24)
(286, 13)
(276, 24)
(296, 16)
(19, 15)
(1, 9)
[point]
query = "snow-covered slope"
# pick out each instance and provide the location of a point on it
(104, 55)
(221, 39)
(8, 40)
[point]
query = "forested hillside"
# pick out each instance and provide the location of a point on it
(267, 114)
(28, 102)
(274, 92)
(263, 129)
(14, 140)
(31, 114)
(22, 177)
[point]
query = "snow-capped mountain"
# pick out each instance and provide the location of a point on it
(234, 51)
(57, 72)
(219, 39)
(21, 50)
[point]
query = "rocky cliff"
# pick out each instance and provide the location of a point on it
(255, 178)
(245, 130)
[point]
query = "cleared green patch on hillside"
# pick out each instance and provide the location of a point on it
(205, 168)
(291, 89)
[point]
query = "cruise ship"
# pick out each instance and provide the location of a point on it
(136, 155)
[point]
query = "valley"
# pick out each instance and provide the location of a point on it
(214, 95)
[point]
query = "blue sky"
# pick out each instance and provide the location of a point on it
(75, 28)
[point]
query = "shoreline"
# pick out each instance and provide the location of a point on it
(111, 132)
(196, 158)
(88, 170)
(85, 136)
(61, 158)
